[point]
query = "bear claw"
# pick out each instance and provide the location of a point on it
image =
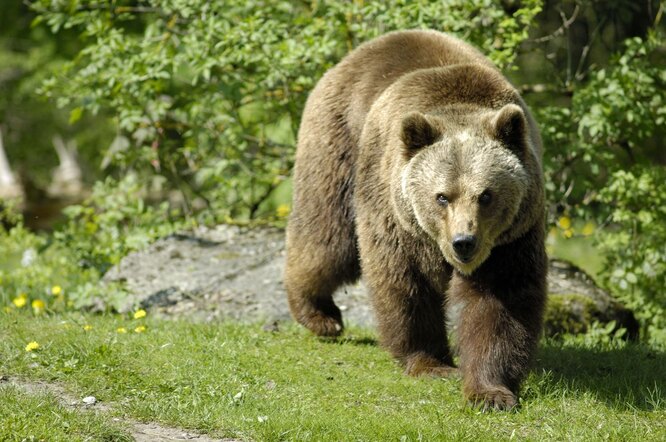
(491, 399)
(425, 365)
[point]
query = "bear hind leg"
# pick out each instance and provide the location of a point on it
(313, 273)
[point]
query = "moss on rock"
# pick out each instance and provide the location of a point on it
(569, 313)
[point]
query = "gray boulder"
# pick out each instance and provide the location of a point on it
(575, 302)
(230, 272)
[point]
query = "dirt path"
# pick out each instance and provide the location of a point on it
(140, 431)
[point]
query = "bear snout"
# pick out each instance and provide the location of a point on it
(464, 246)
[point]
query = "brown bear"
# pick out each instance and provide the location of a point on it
(419, 166)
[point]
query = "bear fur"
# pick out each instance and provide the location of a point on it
(419, 166)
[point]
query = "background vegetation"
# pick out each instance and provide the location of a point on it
(186, 112)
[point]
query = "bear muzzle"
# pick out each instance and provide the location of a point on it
(464, 246)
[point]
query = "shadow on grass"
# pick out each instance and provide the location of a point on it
(361, 342)
(350, 340)
(624, 378)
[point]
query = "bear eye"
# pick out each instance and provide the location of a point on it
(442, 200)
(485, 198)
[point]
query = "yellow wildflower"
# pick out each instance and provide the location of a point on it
(38, 305)
(141, 313)
(87, 327)
(121, 330)
(140, 329)
(564, 222)
(282, 210)
(32, 345)
(568, 233)
(588, 228)
(56, 290)
(21, 300)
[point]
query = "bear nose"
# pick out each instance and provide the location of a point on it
(464, 246)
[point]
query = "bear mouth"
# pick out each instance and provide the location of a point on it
(465, 265)
(465, 259)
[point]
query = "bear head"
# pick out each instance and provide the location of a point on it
(464, 179)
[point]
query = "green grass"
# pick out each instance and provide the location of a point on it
(39, 416)
(232, 380)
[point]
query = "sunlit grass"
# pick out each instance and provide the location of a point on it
(239, 381)
(40, 416)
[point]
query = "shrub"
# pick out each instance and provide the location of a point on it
(634, 246)
(209, 94)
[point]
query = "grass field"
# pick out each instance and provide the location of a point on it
(238, 381)
(39, 416)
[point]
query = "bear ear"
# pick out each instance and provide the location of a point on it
(509, 126)
(417, 132)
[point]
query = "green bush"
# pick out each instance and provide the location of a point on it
(634, 245)
(603, 163)
(209, 94)
(613, 122)
(39, 275)
(114, 221)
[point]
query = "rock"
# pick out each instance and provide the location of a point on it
(230, 272)
(89, 400)
(575, 301)
(271, 326)
(224, 272)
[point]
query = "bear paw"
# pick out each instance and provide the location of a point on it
(492, 398)
(322, 325)
(422, 364)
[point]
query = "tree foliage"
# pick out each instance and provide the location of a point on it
(634, 243)
(605, 156)
(28, 56)
(612, 123)
(209, 94)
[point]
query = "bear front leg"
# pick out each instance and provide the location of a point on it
(412, 327)
(499, 324)
(494, 348)
(410, 317)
